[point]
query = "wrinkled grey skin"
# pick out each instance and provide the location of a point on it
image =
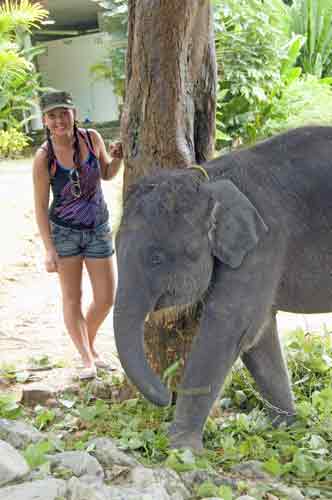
(254, 239)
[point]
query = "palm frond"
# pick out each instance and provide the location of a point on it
(313, 19)
(21, 13)
(12, 67)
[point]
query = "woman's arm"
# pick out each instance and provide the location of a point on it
(109, 163)
(41, 189)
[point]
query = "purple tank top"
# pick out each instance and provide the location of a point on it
(78, 203)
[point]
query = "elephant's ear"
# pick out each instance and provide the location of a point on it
(235, 224)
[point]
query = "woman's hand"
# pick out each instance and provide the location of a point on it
(51, 261)
(116, 150)
(111, 161)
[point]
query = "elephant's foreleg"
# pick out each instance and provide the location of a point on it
(266, 363)
(203, 377)
(232, 316)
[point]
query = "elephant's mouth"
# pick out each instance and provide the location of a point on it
(172, 311)
(163, 312)
(170, 300)
(183, 298)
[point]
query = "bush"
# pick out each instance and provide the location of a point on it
(306, 101)
(261, 89)
(12, 143)
(19, 82)
(312, 19)
(252, 43)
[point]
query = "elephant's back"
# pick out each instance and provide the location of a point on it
(289, 180)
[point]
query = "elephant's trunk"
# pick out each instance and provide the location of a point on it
(131, 307)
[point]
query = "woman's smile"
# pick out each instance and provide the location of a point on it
(59, 121)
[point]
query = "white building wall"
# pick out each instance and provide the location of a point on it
(66, 66)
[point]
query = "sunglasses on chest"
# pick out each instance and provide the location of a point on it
(75, 182)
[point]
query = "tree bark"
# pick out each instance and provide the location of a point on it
(168, 119)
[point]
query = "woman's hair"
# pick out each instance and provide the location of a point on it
(50, 149)
(77, 150)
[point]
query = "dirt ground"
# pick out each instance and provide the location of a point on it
(30, 310)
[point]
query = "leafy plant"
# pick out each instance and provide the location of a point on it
(251, 45)
(9, 407)
(313, 20)
(42, 361)
(113, 69)
(15, 14)
(208, 489)
(44, 417)
(19, 82)
(36, 454)
(185, 460)
(12, 143)
(307, 100)
(262, 90)
(114, 22)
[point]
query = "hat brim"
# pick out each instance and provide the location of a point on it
(58, 105)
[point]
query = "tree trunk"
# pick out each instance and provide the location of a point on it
(168, 119)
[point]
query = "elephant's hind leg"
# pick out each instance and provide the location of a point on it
(266, 363)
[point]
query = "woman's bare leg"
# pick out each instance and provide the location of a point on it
(70, 273)
(102, 276)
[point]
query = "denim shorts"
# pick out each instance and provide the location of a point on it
(91, 243)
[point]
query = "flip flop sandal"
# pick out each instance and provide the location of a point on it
(101, 363)
(88, 373)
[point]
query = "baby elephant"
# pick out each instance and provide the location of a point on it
(252, 238)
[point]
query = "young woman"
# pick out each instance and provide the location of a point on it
(75, 228)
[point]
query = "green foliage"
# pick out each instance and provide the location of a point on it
(262, 90)
(9, 407)
(208, 489)
(310, 362)
(95, 412)
(44, 417)
(115, 22)
(185, 461)
(113, 69)
(142, 429)
(313, 20)
(19, 82)
(20, 14)
(115, 7)
(36, 454)
(305, 101)
(42, 361)
(10, 373)
(298, 454)
(12, 143)
(251, 45)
